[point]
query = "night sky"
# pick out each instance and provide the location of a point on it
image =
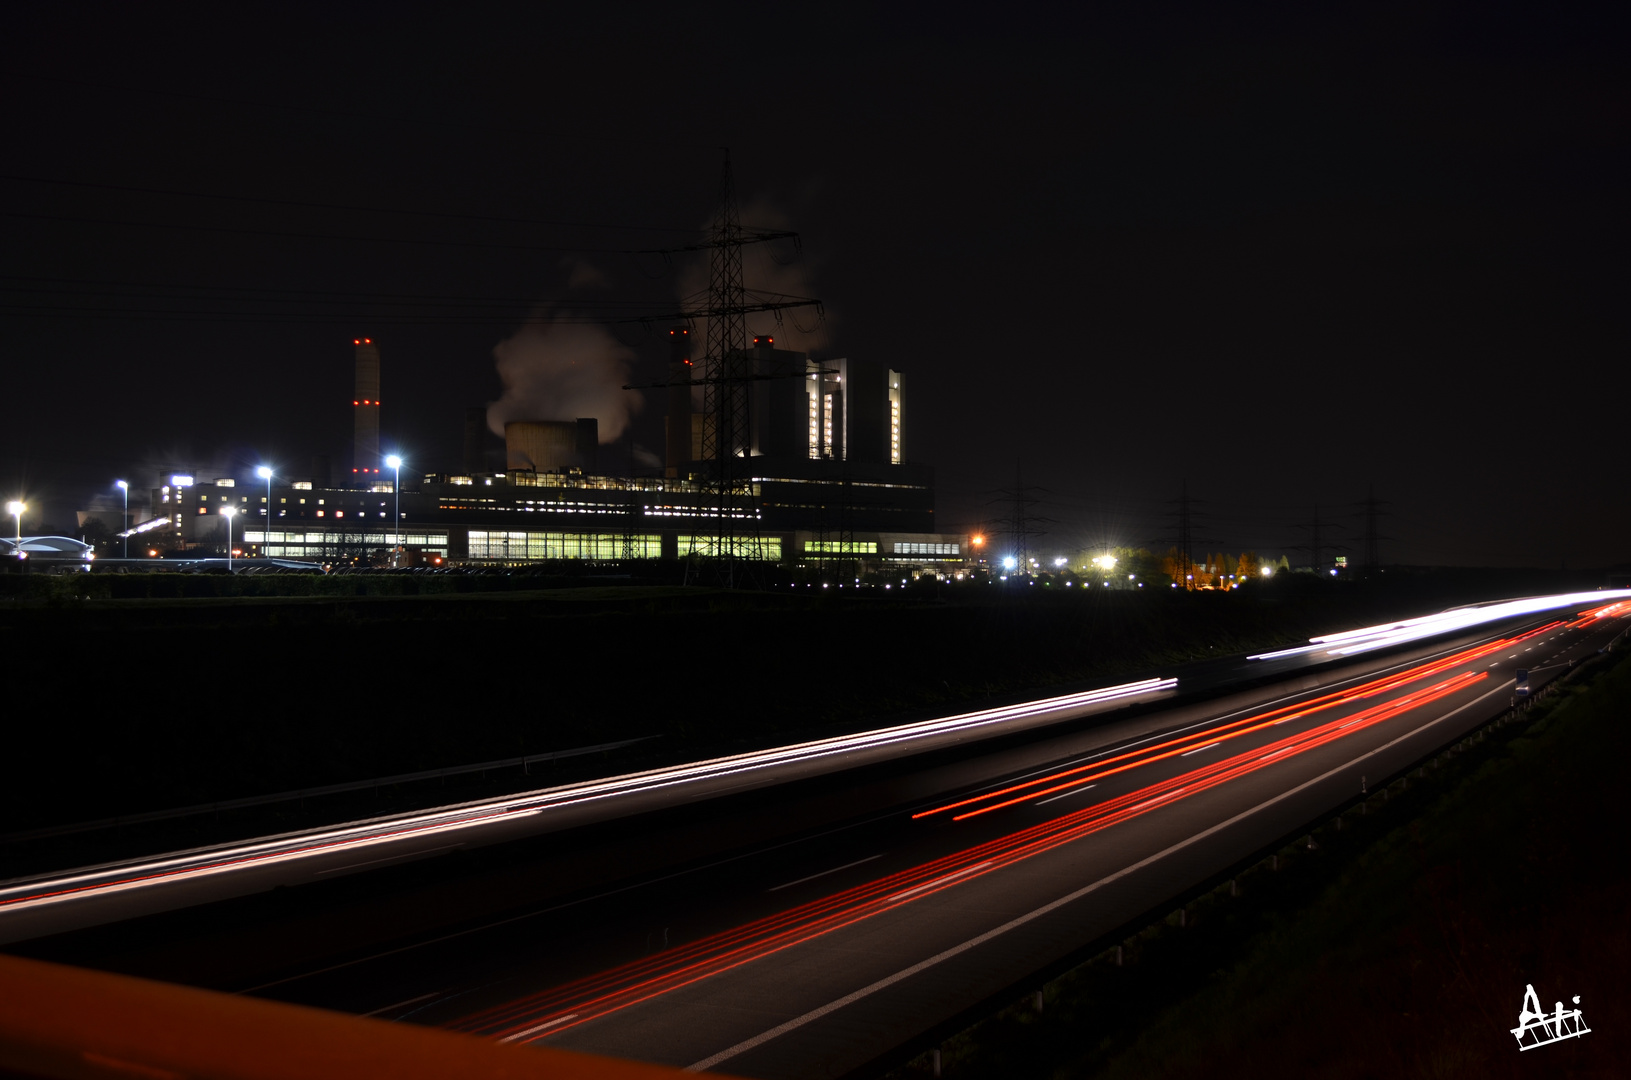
(1281, 255)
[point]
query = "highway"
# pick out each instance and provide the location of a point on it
(35, 907)
(820, 905)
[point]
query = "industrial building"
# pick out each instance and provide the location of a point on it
(820, 474)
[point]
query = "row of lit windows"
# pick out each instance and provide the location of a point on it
(903, 547)
(894, 433)
(842, 547)
(551, 506)
(558, 545)
(316, 550)
(575, 480)
(742, 547)
(292, 536)
(834, 483)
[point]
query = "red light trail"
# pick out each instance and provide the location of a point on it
(562, 1008)
(1085, 774)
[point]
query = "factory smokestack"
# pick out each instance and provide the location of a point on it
(365, 410)
(678, 439)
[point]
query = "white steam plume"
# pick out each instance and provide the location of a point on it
(799, 330)
(555, 370)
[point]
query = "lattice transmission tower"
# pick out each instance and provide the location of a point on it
(728, 373)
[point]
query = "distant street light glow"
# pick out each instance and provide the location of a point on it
(124, 488)
(265, 473)
(395, 462)
(227, 512)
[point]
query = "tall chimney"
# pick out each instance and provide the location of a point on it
(365, 410)
(677, 448)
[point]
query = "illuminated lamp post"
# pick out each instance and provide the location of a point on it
(15, 509)
(125, 488)
(395, 462)
(1105, 563)
(227, 512)
(265, 473)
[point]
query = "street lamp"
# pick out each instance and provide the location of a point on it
(395, 462)
(265, 473)
(15, 509)
(124, 487)
(227, 512)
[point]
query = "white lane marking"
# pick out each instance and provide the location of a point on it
(1199, 749)
(1351, 723)
(403, 1004)
(559, 907)
(1013, 924)
(1277, 753)
(939, 881)
(539, 1027)
(1066, 795)
(824, 873)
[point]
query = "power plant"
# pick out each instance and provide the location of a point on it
(791, 458)
(821, 458)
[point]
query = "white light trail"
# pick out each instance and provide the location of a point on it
(356, 836)
(1377, 637)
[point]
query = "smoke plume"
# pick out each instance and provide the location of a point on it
(558, 370)
(770, 268)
